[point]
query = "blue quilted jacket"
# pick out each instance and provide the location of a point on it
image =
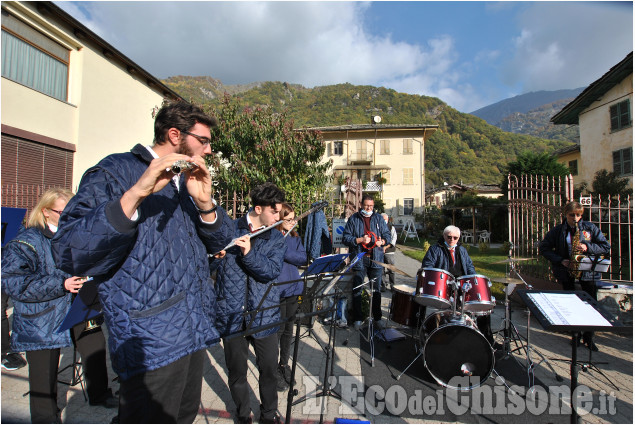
(438, 257)
(293, 258)
(153, 273)
(242, 282)
(554, 247)
(36, 287)
(355, 229)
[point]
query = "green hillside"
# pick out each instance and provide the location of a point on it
(465, 148)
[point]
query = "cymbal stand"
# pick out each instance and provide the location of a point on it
(511, 332)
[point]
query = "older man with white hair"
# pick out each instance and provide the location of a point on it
(449, 255)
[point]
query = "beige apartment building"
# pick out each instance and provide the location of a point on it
(604, 114)
(68, 99)
(388, 159)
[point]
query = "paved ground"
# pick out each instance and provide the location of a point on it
(612, 404)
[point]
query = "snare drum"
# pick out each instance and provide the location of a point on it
(478, 299)
(454, 347)
(433, 288)
(403, 308)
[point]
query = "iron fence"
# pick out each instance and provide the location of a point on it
(535, 206)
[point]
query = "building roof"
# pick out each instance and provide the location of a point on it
(83, 33)
(379, 127)
(570, 114)
(568, 149)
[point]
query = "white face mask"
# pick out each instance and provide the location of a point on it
(52, 227)
(367, 213)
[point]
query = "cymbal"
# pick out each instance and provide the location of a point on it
(391, 267)
(512, 260)
(507, 280)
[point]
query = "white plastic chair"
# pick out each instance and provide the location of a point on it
(466, 236)
(484, 236)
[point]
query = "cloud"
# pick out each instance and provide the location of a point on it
(309, 43)
(564, 45)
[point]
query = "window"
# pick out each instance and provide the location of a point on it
(384, 147)
(573, 167)
(623, 162)
(407, 176)
(338, 148)
(32, 59)
(620, 115)
(407, 146)
(408, 206)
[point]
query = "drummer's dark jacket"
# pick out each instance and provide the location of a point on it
(438, 257)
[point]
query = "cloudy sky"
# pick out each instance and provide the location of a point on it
(468, 54)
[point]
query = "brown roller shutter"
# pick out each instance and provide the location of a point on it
(29, 168)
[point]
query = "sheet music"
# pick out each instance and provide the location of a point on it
(567, 309)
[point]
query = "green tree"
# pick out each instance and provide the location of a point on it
(531, 163)
(609, 184)
(254, 146)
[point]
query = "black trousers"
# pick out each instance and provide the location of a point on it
(288, 308)
(374, 275)
(6, 337)
(236, 353)
(43, 369)
(43, 366)
(170, 394)
(91, 346)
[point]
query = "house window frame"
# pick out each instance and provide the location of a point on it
(408, 210)
(407, 147)
(384, 147)
(624, 159)
(573, 167)
(617, 115)
(408, 180)
(34, 39)
(338, 147)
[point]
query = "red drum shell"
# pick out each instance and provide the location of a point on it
(479, 298)
(433, 288)
(403, 308)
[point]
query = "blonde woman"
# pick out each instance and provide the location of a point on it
(42, 296)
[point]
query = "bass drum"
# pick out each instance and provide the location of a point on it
(455, 348)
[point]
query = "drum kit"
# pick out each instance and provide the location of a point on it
(449, 340)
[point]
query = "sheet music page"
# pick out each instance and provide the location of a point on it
(567, 309)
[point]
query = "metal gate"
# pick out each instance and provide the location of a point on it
(535, 206)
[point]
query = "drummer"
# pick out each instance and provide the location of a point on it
(448, 254)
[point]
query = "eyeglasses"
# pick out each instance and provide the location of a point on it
(57, 211)
(290, 220)
(452, 237)
(202, 139)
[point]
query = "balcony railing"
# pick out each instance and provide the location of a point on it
(370, 187)
(361, 156)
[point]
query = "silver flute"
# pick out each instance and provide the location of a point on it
(181, 165)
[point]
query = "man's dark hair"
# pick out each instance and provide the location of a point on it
(181, 115)
(266, 195)
(366, 196)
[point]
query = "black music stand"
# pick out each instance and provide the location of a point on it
(542, 305)
(327, 391)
